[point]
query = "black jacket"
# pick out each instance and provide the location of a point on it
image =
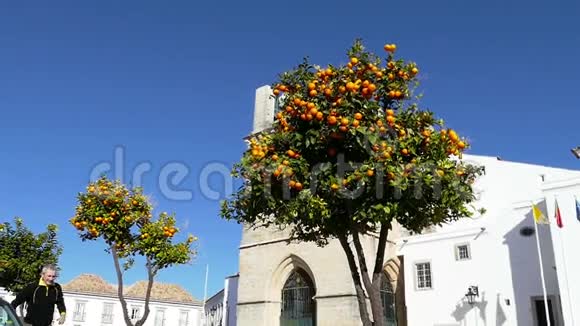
(40, 299)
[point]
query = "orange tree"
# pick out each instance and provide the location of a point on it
(122, 217)
(349, 153)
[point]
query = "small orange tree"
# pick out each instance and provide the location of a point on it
(349, 153)
(122, 217)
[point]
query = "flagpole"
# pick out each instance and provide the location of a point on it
(542, 273)
(557, 214)
(205, 294)
(566, 276)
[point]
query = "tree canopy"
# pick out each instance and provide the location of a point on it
(23, 253)
(123, 219)
(351, 151)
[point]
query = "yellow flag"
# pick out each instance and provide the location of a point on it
(539, 216)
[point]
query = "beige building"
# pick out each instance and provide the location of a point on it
(302, 284)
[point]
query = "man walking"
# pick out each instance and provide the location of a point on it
(41, 297)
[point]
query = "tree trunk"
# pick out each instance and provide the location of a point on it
(120, 286)
(373, 288)
(151, 271)
(360, 295)
(376, 301)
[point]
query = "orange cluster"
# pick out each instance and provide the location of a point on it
(455, 144)
(169, 231)
(337, 101)
(322, 97)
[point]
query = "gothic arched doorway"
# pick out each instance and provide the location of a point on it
(298, 307)
(388, 301)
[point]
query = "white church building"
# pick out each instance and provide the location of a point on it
(91, 301)
(427, 277)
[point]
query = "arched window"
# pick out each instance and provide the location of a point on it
(297, 300)
(388, 300)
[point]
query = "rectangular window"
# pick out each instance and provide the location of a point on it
(107, 317)
(183, 318)
(160, 317)
(462, 252)
(135, 313)
(79, 312)
(423, 275)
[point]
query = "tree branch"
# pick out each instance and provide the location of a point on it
(381, 253)
(120, 286)
(356, 279)
(361, 261)
(151, 271)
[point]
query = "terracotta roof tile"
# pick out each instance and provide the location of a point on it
(89, 283)
(94, 284)
(160, 292)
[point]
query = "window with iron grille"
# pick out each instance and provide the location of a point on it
(298, 300)
(388, 301)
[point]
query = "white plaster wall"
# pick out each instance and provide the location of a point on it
(231, 300)
(566, 244)
(504, 264)
(94, 310)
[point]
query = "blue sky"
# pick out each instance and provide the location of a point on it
(174, 82)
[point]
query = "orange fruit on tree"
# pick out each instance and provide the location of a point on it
(358, 116)
(332, 120)
(298, 186)
(453, 135)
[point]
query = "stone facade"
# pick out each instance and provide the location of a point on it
(267, 260)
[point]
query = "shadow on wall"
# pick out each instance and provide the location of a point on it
(463, 312)
(524, 263)
(469, 314)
